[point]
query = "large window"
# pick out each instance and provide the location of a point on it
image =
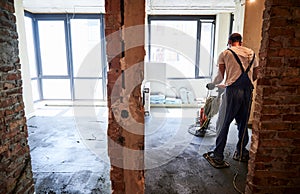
(87, 64)
(53, 59)
(184, 43)
(66, 55)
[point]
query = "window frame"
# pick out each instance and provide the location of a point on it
(67, 24)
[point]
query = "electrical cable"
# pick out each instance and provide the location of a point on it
(234, 183)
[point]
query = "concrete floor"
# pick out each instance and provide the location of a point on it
(61, 157)
(69, 153)
(181, 168)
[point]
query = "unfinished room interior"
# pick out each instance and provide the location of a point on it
(102, 96)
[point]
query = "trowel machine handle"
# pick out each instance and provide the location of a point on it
(220, 88)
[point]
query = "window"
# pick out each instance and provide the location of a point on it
(183, 43)
(66, 56)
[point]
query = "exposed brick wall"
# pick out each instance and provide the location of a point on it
(274, 166)
(125, 52)
(15, 166)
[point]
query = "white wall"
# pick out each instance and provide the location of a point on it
(222, 32)
(239, 15)
(27, 91)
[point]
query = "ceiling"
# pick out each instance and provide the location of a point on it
(156, 6)
(64, 6)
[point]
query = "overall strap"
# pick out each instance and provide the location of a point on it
(251, 62)
(238, 60)
(240, 63)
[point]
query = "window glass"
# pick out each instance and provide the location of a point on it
(53, 47)
(56, 88)
(86, 50)
(88, 89)
(174, 43)
(206, 54)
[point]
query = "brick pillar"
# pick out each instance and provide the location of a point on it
(15, 166)
(124, 30)
(274, 166)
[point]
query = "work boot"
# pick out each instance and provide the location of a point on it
(243, 158)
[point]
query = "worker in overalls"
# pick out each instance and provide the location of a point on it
(241, 69)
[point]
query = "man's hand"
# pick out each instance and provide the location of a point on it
(210, 86)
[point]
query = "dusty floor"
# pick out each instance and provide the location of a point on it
(187, 171)
(68, 153)
(61, 162)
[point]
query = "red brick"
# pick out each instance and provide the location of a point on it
(291, 117)
(14, 76)
(291, 72)
(279, 22)
(275, 143)
(293, 61)
(275, 126)
(278, 109)
(272, 73)
(295, 150)
(280, 12)
(7, 6)
(264, 82)
(288, 52)
(268, 134)
(289, 134)
(271, 117)
(291, 189)
(259, 179)
(290, 81)
(275, 181)
(280, 3)
(8, 85)
(295, 42)
(278, 32)
(295, 142)
(281, 100)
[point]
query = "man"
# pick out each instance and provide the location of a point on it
(241, 69)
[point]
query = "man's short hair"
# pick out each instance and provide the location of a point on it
(235, 37)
